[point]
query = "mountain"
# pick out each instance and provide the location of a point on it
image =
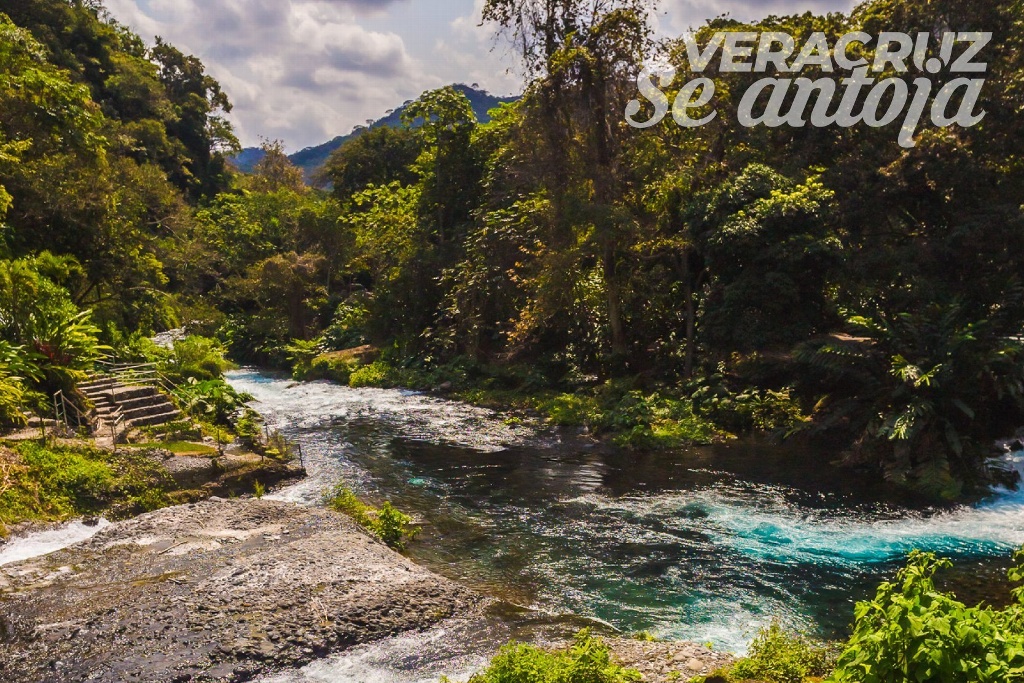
(312, 158)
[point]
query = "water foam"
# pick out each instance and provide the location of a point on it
(42, 543)
(415, 415)
(455, 649)
(767, 526)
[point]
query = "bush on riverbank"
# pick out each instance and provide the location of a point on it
(54, 483)
(389, 524)
(777, 656)
(911, 631)
(588, 660)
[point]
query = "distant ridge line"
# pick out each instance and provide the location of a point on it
(311, 159)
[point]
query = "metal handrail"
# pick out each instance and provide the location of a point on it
(60, 408)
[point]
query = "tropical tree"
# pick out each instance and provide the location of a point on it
(583, 56)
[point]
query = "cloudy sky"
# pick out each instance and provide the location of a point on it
(305, 71)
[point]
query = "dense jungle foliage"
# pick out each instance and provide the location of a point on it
(666, 285)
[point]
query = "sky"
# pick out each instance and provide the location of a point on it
(306, 71)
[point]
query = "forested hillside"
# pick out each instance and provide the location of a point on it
(312, 159)
(668, 285)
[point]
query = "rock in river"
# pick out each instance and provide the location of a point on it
(219, 590)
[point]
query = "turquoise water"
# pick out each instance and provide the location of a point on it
(703, 545)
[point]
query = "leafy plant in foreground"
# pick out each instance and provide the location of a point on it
(15, 366)
(913, 632)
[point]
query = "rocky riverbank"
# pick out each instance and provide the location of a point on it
(214, 591)
(667, 662)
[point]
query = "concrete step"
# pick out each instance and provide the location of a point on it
(94, 381)
(144, 401)
(158, 419)
(93, 393)
(146, 411)
(128, 405)
(127, 393)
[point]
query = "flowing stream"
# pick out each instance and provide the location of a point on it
(39, 543)
(705, 544)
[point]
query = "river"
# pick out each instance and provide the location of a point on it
(706, 544)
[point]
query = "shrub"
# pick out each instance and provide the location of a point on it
(348, 329)
(913, 632)
(248, 425)
(588, 660)
(388, 523)
(15, 366)
(750, 410)
(377, 374)
(335, 366)
(658, 421)
(212, 400)
(197, 358)
(276, 447)
(343, 500)
(569, 410)
(135, 347)
(12, 402)
(780, 657)
(392, 525)
(639, 420)
(301, 354)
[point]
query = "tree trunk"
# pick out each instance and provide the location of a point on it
(691, 319)
(611, 285)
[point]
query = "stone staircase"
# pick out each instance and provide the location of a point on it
(141, 405)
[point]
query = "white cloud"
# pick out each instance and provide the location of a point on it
(305, 71)
(302, 71)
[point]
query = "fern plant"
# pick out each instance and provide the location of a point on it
(919, 390)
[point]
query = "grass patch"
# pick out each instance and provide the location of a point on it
(54, 483)
(588, 660)
(388, 523)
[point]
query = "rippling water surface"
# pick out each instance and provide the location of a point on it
(704, 545)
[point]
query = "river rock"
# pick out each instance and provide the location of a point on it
(215, 591)
(667, 662)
